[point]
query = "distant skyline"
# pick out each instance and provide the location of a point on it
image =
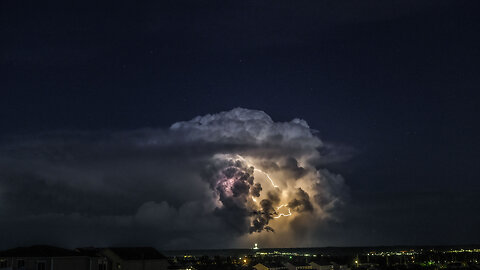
(369, 107)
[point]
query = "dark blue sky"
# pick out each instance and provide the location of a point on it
(395, 82)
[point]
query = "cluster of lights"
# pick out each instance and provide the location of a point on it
(393, 253)
(476, 250)
(289, 254)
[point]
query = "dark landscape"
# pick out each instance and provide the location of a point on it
(239, 134)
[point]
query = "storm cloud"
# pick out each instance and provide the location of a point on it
(216, 179)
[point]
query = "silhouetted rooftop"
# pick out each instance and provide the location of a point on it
(89, 251)
(39, 251)
(274, 265)
(300, 263)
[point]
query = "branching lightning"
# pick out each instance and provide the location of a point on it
(268, 176)
(273, 184)
(284, 215)
(258, 170)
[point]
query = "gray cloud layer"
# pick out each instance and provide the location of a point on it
(200, 183)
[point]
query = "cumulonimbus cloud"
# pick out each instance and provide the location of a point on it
(233, 175)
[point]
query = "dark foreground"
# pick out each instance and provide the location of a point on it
(330, 258)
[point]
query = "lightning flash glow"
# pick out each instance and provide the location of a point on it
(284, 215)
(268, 176)
(271, 179)
(279, 215)
(246, 175)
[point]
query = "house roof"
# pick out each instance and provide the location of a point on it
(180, 267)
(323, 262)
(273, 265)
(137, 253)
(39, 251)
(299, 264)
(89, 251)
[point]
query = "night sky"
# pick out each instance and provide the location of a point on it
(391, 88)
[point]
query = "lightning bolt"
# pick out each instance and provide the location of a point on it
(268, 176)
(273, 184)
(258, 170)
(284, 215)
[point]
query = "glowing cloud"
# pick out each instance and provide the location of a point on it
(231, 177)
(281, 159)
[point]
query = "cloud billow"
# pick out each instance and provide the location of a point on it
(205, 182)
